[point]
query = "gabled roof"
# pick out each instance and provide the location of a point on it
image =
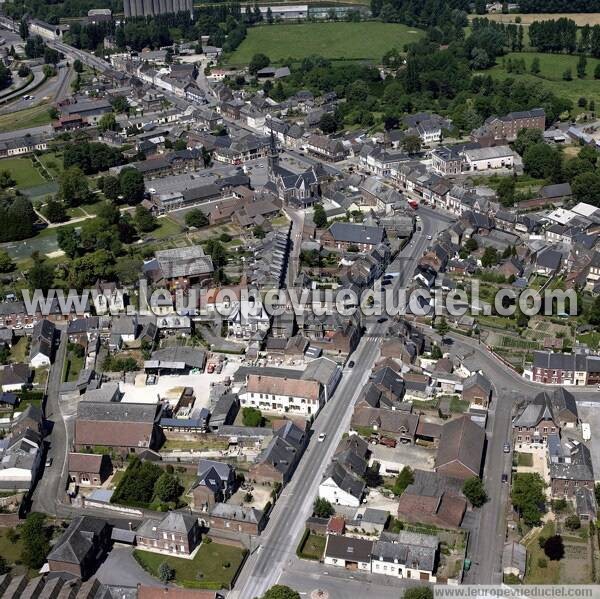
(462, 441)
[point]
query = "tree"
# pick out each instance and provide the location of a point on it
(165, 572)
(107, 122)
(405, 478)
(436, 352)
(554, 548)
(411, 144)
(23, 71)
(573, 522)
(6, 180)
(528, 496)
(581, 66)
(40, 276)
(474, 491)
(418, 593)
(21, 217)
(73, 187)
(24, 29)
(597, 71)
(328, 123)
(35, 540)
(280, 591)
(319, 216)
(471, 245)
(490, 257)
(110, 187)
(69, 241)
(372, 477)
(269, 16)
(143, 219)
(597, 492)
(167, 488)
(526, 138)
(322, 508)
(586, 188)
(442, 326)
(567, 75)
(506, 191)
(6, 263)
(252, 417)
(215, 249)
(259, 232)
(131, 182)
(257, 62)
(78, 66)
(196, 218)
(542, 161)
(535, 66)
(55, 211)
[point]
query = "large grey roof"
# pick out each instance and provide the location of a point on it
(184, 262)
(78, 540)
(356, 233)
(415, 550)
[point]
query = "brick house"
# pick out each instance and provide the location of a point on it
(477, 390)
(508, 126)
(104, 421)
(89, 469)
(277, 462)
(460, 452)
(177, 533)
(237, 518)
(344, 235)
(216, 482)
(81, 547)
(571, 467)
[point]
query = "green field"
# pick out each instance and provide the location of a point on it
(345, 41)
(214, 565)
(552, 67)
(22, 171)
(30, 117)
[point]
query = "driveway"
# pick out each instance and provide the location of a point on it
(121, 569)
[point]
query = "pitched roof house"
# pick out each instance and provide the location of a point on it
(460, 452)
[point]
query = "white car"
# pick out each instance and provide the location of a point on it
(322, 437)
(429, 237)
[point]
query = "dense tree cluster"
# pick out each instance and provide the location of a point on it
(145, 482)
(528, 497)
(18, 211)
(557, 6)
(92, 157)
(444, 19)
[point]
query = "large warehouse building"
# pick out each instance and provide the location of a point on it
(151, 8)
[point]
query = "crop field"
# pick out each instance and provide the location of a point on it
(340, 40)
(552, 67)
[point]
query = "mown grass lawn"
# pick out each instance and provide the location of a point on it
(30, 117)
(552, 67)
(368, 40)
(19, 351)
(22, 171)
(215, 566)
(167, 227)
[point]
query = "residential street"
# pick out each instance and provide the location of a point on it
(53, 481)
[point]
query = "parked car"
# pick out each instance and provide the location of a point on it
(507, 448)
(351, 364)
(505, 478)
(322, 437)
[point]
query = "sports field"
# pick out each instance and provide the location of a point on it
(368, 40)
(22, 171)
(552, 67)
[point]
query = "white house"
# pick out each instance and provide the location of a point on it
(348, 552)
(341, 487)
(282, 394)
(42, 344)
(20, 458)
(483, 159)
(248, 317)
(405, 555)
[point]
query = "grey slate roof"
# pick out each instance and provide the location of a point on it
(415, 550)
(356, 233)
(345, 480)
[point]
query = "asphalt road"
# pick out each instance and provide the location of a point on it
(278, 542)
(53, 480)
